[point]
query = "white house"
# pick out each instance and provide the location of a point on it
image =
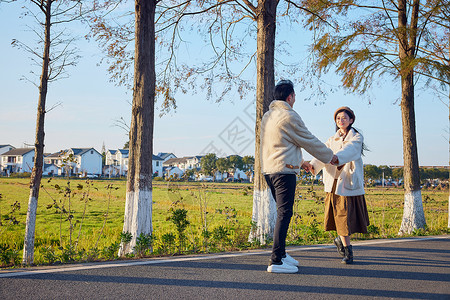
(89, 160)
(157, 165)
(166, 156)
(110, 158)
(6, 148)
(53, 159)
(173, 172)
(50, 170)
(122, 159)
(180, 163)
(193, 162)
(53, 164)
(112, 167)
(116, 163)
(17, 160)
(77, 161)
(184, 163)
(239, 174)
(110, 171)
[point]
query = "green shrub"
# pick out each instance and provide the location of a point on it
(9, 256)
(143, 244)
(111, 252)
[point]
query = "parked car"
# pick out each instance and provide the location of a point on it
(231, 179)
(83, 175)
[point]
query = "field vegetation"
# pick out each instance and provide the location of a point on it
(81, 220)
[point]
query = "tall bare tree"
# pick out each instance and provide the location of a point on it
(138, 206)
(377, 38)
(56, 54)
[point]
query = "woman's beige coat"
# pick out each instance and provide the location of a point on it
(351, 177)
(283, 135)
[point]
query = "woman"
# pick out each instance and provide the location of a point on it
(345, 205)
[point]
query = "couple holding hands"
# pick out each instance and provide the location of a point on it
(283, 135)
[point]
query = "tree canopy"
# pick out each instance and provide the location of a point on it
(363, 42)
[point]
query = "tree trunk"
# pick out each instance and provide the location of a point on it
(264, 208)
(36, 174)
(138, 206)
(413, 215)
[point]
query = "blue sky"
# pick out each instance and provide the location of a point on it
(90, 104)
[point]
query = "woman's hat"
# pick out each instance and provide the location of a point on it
(348, 110)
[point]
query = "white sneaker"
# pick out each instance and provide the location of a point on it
(283, 268)
(290, 260)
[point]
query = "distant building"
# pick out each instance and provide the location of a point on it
(116, 163)
(184, 163)
(53, 159)
(122, 159)
(110, 158)
(157, 165)
(17, 160)
(50, 170)
(180, 163)
(6, 148)
(75, 161)
(166, 156)
(173, 172)
(193, 162)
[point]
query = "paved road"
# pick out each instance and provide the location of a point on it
(410, 268)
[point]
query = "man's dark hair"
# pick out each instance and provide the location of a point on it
(283, 89)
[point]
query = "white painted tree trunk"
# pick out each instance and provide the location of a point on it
(413, 215)
(138, 217)
(28, 247)
(264, 216)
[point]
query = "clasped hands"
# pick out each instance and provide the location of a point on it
(310, 168)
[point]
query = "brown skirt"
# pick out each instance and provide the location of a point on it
(345, 214)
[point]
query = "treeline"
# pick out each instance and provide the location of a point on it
(210, 164)
(376, 172)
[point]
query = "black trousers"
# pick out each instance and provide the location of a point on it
(283, 191)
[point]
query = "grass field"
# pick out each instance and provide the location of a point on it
(85, 216)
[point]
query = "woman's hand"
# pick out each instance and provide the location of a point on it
(307, 166)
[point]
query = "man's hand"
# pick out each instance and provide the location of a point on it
(334, 161)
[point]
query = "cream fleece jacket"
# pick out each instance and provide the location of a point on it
(351, 177)
(283, 135)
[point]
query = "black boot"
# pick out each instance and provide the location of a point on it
(348, 256)
(340, 247)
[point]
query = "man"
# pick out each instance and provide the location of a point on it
(283, 135)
